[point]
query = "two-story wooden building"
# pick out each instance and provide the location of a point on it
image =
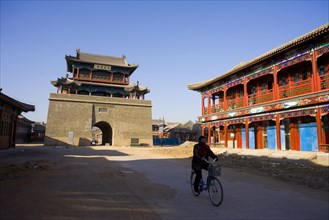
(278, 100)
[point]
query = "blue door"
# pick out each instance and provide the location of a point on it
(243, 135)
(271, 137)
(282, 136)
(308, 137)
(251, 138)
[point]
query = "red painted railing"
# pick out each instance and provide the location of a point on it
(217, 108)
(324, 81)
(295, 89)
(260, 97)
(234, 103)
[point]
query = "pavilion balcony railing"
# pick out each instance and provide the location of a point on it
(324, 81)
(234, 103)
(295, 89)
(205, 111)
(260, 97)
(217, 108)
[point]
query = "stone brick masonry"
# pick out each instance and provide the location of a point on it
(128, 118)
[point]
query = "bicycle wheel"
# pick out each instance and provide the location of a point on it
(215, 191)
(193, 175)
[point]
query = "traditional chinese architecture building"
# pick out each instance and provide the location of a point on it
(10, 109)
(98, 93)
(174, 133)
(278, 100)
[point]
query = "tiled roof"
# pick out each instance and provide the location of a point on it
(137, 88)
(101, 59)
(17, 104)
(306, 37)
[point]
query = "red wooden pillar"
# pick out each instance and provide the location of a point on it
(245, 92)
(225, 100)
(278, 133)
(202, 129)
(209, 134)
(209, 104)
(239, 137)
(294, 135)
(78, 72)
(225, 133)
(319, 128)
(259, 135)
(315, 76)
(276, 84)
(202, 104)
(247, 132)
(91, 75)
(73, 72)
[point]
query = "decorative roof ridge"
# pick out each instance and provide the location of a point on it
(245, 64)
(123, 57)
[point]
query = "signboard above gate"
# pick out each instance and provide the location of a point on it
(102, 67)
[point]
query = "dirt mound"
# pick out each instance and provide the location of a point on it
(182, 151)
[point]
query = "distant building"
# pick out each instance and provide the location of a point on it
(38, 132)
(188, 131)
(173, 133)
(24, 130)
(278, 100)
(10, 109)
(98, 93)
(29, 131)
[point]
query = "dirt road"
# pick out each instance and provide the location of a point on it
(137, 183)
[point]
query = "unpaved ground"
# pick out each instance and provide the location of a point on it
(302, 172)
(70, 183)
(143, 183)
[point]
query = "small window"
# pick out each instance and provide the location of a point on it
(321, 70)
(304, 75)
(102, 110)
(296, 77)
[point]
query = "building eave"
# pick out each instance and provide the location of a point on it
(17, 104)
(293, 43)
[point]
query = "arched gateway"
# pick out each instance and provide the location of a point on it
(107, 133)
(98, 94)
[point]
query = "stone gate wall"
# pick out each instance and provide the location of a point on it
(71, 114)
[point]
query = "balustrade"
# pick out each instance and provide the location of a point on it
(324, 81)
(295, 89)
(234, 103)
(260, 97)
(290, 90)
(217, 108)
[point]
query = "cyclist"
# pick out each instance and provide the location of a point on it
(201, 150)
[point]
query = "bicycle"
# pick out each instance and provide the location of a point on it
(213, 185)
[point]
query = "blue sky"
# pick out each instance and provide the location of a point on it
(175, 43)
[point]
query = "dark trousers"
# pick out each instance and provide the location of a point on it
(198, 176)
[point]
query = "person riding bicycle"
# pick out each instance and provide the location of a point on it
(201, 150)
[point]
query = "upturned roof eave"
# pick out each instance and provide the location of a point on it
(17, 104)
(130, 66)
(299, 40)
